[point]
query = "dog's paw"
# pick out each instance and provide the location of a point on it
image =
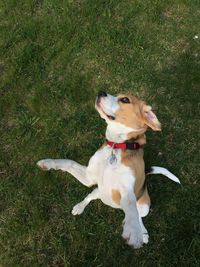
(78, 209)
(133, 235)
(45, 164)
(145, 238)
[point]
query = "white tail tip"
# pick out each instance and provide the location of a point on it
(165, 172)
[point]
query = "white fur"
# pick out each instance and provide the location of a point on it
(79, 208)
(107, 106)
(110, 176)
(165, 172)
(117, 132)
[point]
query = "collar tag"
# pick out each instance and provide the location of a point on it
(113, 158)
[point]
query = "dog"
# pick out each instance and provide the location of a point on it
(118, 168)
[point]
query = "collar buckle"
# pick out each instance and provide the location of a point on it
(130, 146)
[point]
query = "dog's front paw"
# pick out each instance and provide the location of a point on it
(78, 209)
(145, 238)
(45, 164)
(133, 235)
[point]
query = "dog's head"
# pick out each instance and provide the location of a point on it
(125, 116)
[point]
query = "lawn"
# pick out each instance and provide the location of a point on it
(54, 57)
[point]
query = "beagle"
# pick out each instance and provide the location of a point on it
(117, 168)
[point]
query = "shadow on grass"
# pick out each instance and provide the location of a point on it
(177, 206)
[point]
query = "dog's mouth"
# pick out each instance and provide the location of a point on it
(102, 111)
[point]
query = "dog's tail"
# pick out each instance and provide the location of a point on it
(163, 171)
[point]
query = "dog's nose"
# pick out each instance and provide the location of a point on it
(102, 93)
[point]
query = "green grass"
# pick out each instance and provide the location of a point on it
(54, 58)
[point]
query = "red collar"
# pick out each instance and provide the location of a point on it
(131, 146)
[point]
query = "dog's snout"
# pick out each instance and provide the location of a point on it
(102, 93)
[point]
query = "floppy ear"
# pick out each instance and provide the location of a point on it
(150, 118)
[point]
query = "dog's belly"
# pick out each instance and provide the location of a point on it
(105, 195)
(116, 179)
(110, 176)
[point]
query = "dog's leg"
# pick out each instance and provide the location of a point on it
(132, 231)
(143, 205)
(143, 211)
(79, 208)
(74, 168)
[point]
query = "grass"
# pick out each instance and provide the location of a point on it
(55, 57)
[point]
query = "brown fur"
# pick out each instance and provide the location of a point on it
(137, 114)
(144, 199)
(131, 114)
(134, 160)
(116, 196)
(134, 137)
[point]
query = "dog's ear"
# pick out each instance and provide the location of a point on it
(150, 118)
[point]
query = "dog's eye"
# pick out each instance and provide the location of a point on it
(111, 117)
(124, 100)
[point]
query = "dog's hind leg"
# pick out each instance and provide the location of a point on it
(79, 208)
(74, 168)
(143, 205)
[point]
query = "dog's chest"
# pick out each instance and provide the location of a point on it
(110, 173)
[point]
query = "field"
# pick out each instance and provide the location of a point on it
(54, 57)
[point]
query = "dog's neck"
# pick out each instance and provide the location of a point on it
(140, 139)
(124, 134)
